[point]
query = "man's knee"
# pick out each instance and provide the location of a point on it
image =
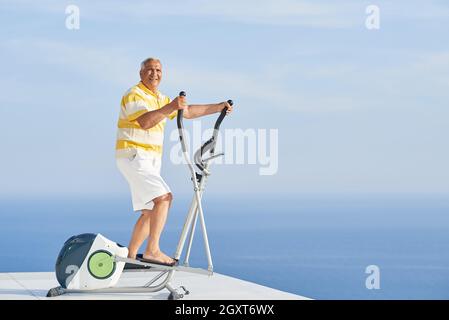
(166, 198)
(146, 214)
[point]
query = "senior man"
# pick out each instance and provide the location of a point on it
(140, 135)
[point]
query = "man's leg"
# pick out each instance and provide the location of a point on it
(158, 218)
(140, 233)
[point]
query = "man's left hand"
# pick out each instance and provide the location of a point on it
(225, 104)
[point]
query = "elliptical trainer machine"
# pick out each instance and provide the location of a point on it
(91, 263)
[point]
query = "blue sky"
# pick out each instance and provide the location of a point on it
(357, 110)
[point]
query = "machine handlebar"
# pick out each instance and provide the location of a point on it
(209, 145)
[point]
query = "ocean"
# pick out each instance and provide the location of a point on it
(317, 246)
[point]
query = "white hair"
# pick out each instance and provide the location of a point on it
(144, 62)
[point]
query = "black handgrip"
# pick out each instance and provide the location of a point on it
(225, 109)
(222, 115)
(180, 113)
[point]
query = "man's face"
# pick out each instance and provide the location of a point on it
(151, 74)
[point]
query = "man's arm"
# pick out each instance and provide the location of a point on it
(198, 110)
(152, 118)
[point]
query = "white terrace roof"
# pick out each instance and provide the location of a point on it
(35, 285)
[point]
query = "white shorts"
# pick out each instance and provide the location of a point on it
(144, 179)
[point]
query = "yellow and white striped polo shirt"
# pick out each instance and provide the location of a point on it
(130, 135)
